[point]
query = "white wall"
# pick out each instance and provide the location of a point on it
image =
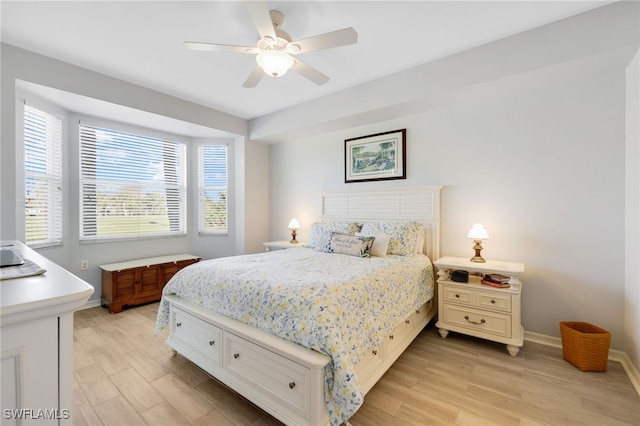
(539, 162)
(527, 134)
(20, 65)
(632, 214)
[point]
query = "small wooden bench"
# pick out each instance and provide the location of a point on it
(139, 281)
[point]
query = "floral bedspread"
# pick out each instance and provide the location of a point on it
(336, 304)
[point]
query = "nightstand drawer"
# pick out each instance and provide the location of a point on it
(472, 296)
(458, 295)
(494, 301)
(488, 322)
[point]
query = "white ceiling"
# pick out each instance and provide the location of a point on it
(141, 41)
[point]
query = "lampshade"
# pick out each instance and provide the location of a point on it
(294, 224)
(477, 232)
(274, 62)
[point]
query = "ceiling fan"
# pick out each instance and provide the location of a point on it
(275, 51)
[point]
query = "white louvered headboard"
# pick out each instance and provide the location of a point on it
(420, 203)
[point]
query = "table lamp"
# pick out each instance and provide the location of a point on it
(477, 233)
(294, 225)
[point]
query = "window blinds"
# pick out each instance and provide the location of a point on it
(43, 177)
(131, 186)
(212, 189)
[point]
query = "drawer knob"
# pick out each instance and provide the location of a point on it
(178, 324)
(457, 296)
(212, 342)
(292, 385)
(236, 355)
(493, 301)
(482, 321)
(391, 336)
(375, 352)
(407, 321)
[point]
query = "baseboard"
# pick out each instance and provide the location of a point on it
(543, 339)
(91, 304)
(614, 355)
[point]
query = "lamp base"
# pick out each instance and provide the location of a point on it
(293, 237)
(478, 248)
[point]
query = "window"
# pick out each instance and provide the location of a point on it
(212, 189)
(131, 186)
(43, 177)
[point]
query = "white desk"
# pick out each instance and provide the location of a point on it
(36, 315)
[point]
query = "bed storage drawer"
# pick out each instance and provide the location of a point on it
(488, 322)
(370, 363)
(400, 332)
(423, 311)
(284, 380)
(194, 335)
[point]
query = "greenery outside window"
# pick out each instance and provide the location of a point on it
(212, 189)
(131, 186)
(43, 178)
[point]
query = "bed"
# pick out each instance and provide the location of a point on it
(305, 333)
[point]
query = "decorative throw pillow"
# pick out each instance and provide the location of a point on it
(380, 244)
(351, 245)
(403, 235)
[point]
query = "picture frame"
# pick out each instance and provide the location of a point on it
(381, 156)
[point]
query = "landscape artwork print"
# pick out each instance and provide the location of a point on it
(375, 157)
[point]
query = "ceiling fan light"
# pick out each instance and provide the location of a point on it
(274, 62)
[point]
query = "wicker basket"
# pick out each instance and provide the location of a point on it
(585, 345)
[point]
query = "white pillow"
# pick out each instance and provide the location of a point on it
(380, 244)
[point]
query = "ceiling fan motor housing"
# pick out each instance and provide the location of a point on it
(273, 56)
(282, 37)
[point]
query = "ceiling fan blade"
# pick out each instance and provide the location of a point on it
(337, 38)
(259, 13)
(212, 47)
(254, 78)
(309, 73)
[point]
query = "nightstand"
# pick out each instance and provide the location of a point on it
(479, 310)
(281, 245)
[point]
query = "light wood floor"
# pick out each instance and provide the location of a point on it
(126, 376)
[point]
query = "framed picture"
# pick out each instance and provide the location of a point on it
(375, 157)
